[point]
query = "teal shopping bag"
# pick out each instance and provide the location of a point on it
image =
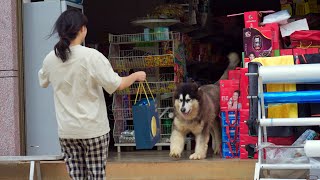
(145, 120)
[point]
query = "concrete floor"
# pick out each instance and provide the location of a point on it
(146, 165)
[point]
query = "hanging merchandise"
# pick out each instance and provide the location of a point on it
(194, 10)
(203, 11)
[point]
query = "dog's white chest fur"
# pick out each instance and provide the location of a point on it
(186, 127)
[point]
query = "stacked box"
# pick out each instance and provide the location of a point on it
(231, 102)
(230, 133)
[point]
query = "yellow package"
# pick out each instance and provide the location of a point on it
(283, 110)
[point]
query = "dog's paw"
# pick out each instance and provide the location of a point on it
(175, 154)
(216, 151)
(196, 156)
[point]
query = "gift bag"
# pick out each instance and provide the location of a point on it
(145, 120)
(305, 39)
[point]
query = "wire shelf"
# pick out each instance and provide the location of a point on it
(166, 48)
(124, 134)
(143, 37)
(123, 118)
(134, 62)
(122, 107)
(156, 87)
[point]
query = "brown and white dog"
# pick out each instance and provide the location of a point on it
(195, 111)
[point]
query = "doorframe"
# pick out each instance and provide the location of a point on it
(21, 91)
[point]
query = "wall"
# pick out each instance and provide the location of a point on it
(9, 95)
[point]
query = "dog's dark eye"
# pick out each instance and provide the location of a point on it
(188, 100)
(180, 100)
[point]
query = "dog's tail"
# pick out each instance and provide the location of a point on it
(234, 61)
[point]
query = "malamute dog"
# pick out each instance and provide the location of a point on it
(196, 110)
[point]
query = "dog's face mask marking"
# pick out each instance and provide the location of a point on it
(187, 101)
(185, 104)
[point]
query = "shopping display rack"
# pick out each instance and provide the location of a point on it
(306, 73)
(156, 54)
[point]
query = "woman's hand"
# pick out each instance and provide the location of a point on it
(140, 76)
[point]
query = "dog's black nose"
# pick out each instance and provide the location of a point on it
(183, 109)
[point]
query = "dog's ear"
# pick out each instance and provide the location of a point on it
(177, 87)
(199, 94)
(190, 80)
(195, 86)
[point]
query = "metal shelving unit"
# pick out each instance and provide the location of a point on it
(307, 73)
(155, 54)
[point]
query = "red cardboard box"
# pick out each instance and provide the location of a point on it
(244, 115)
(285, 52)
(234, 74)
(276, 35)
(228, 89)
(257, 42)
(312, 51)
(246, 62)
(298, 51)
(246, 139)
(252, 19)
(287, 141)
(244, 88)
(243, 128)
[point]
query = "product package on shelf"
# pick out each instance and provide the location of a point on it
(276, 41)
(257, 42)
(244, 88)
(235, 87)
(229, 113)
(286, 52)
(234, 74)
(252, 19)
(229, 94)
(230, 133)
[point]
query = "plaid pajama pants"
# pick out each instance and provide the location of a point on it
(86, 158)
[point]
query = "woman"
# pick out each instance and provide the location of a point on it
(234, 101)
(77, 75)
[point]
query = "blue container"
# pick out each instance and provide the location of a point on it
(233, 135)
(231, 118)
(161, 33)
(146, 124)
(233, 153)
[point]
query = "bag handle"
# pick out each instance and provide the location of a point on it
(306, 47)
(141, 86)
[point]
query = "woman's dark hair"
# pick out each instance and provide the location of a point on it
(237, 91)
(67, 26)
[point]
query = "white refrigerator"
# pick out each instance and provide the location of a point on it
(40, 118)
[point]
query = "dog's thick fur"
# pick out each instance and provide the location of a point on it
(199, 116)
